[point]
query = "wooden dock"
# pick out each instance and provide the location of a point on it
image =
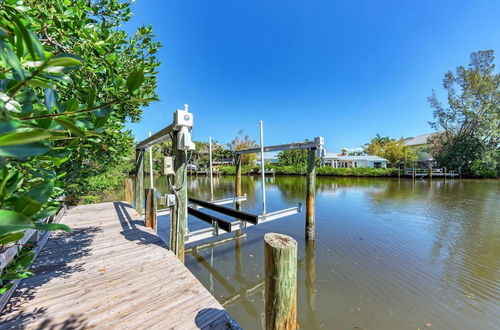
(111, 272)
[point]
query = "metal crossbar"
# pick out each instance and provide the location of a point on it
(290, 146)
(158, 137)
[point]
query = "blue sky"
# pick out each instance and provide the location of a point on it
(344, 70)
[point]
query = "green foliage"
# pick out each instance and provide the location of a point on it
(292, 157)
(326, 170)
(395, 151)
(117, 78)
(51, 113)
(470, 122)
(357, 171)
(242, 141)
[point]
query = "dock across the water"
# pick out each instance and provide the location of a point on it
(111, 272)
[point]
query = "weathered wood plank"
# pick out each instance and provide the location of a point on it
(111, 272)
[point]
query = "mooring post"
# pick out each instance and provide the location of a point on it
(128, 190)
(178, 219)
(430, 173)
(310, 283)
(311, 192)
(445, 173)
(150, 213)
(280, 266)
(139, 180)
(414, 173)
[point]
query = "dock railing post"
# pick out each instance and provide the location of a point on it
(128, 190)
(280, 266)
(311, 192)
(150, 213)
(139, 180)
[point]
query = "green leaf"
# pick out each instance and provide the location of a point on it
(9, 238)
(17, 138)
(11, 59)
(52, 226)
(134, 80)
(90, 97)
(72, 105)
(13, 222)
(17, 276)
(6, 288)
(69, 123)
(27, 206)
(66, 60)
(7, 126)
(24, 150)
(34, 46)
(42, 192)
(51, 210)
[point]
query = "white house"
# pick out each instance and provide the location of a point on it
(339, 161)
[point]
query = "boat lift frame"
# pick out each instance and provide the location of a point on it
(181, 142)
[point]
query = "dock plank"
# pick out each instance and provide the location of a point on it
(111, 272)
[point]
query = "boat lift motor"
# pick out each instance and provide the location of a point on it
(183, 123)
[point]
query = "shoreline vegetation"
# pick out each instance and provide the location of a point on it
(320, 171)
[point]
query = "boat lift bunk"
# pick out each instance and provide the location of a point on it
(245, 219)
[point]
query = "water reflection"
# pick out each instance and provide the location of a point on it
(389, 254)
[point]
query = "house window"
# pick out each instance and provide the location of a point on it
(377, 165)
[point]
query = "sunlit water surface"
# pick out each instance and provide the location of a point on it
(389, 254)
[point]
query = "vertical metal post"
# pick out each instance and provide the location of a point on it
(262, 167)
(151, 176)
(311, 195)
(139, 180)
(211, 172)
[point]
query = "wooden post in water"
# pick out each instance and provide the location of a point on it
(139, 180)
(150, 214)
(430, 173)
(280, 266)
(311, 192)
(445, 174)
(178, 218)
(128, 190)
(414, 173)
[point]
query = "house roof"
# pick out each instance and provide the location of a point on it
(330, 155)
(417, 140)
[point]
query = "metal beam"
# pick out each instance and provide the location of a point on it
(291, 146)
(156, 138)
(222, 224)
(227, 211)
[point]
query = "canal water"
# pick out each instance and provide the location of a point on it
(389, 253)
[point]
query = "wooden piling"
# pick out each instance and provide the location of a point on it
(178, 219)
(280, 265)
(128, 190)
(237, 183)
(430, 173)
(414, 173)
(311, 192)
(151, 207)
(139, 180)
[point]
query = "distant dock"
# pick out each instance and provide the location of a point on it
(111, 272)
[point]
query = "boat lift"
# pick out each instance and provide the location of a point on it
(179, 205)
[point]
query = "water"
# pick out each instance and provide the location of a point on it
(388, 254)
